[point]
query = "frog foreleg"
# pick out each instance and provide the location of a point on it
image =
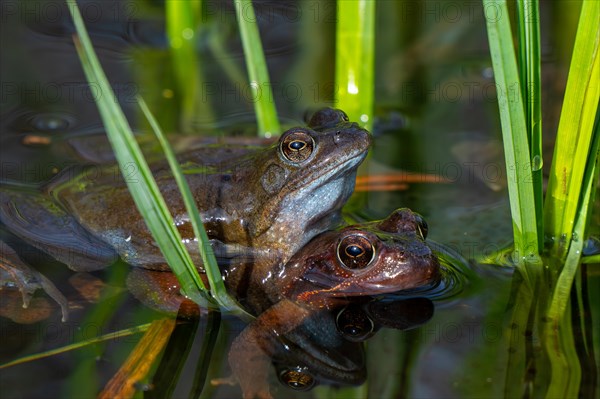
(249, 354)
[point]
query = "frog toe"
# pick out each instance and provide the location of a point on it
(14, 272)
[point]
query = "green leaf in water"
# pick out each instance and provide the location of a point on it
(264, 104)
(183, 25)
(217, 287)
(514, 131)
(77, 345)
(354, 60)
(144, 190)
(573, 150)
(528, 18)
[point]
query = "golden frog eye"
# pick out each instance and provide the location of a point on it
(297, 146)
(296, 378)
(355, 251)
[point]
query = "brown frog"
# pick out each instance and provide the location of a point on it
(334, 269)
(259, 205)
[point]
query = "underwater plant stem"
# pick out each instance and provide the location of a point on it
(258, 75)
(354, 60)
(209, 339)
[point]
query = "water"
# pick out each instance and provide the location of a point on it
(435, 115)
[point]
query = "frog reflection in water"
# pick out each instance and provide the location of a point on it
(327, 349)
(264, 203)
(334, 269)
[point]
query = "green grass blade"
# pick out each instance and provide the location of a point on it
(182, 20)
(144, 190)
(354, 60)
(77, 345)
(531, 88)
(558, 334)
(514, 131)
(564, 283)
(575, 132)
(264, 103)
(217, 287)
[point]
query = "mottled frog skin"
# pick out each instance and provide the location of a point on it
(259, 205)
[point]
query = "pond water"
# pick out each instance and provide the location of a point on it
(436, 126)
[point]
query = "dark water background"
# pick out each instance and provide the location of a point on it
(436, 113)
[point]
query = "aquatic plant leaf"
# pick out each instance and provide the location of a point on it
(258, 75)
(354, 60)
(183, 24)
(514, 131)
(566, 368)
(144, 190)
(138, 363)
(528, 24)
(217, 287)
(573, 152)
(77, 345)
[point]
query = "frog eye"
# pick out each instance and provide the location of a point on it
(422, 227)
(297, 146)
(355, 251)
(354, 324)
(296, 378)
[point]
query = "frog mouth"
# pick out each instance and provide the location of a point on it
(336, 170)
(367, 284)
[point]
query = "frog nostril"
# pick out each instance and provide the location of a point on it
(337, 137)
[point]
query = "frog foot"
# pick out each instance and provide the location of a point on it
(14, 272)
(250, 366)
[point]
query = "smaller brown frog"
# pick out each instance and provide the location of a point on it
(331, 271)
(334, 269)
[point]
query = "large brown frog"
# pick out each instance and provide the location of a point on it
(334, 269)
(259, 205)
